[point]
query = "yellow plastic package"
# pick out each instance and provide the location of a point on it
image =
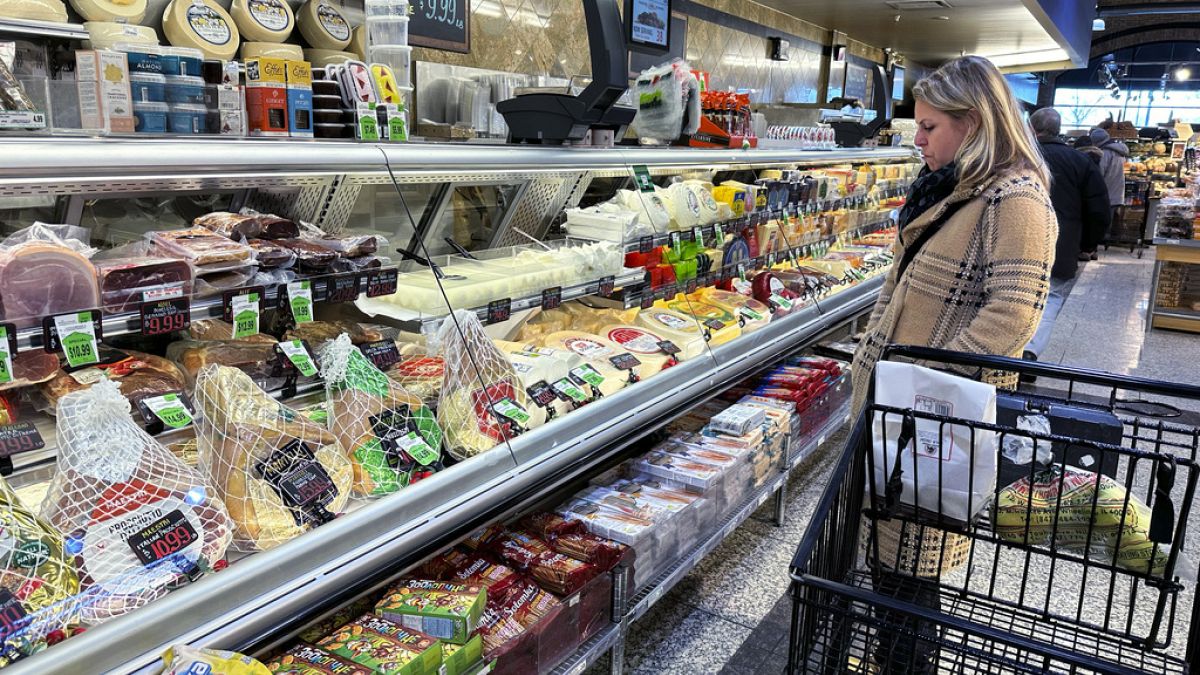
(185, 659)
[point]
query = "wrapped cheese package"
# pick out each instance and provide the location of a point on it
(483, 403)
(278, 473)
(388, 434)
(598, 353)
(137, 519)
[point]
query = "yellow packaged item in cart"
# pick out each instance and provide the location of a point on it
(188, 660)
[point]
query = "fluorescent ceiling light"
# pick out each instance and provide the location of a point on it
(1097, 25)
(1042, 56)
(1183, 74)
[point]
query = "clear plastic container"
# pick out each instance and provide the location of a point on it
(182, 61)
(187, 118)
(374, 8)
(398, 57)
(387, 31)
(147, 59)
(183, 89)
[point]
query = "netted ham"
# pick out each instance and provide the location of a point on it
(139, 376)
(137, 519)
(40, 279)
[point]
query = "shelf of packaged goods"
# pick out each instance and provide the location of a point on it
(50, 29)
(269, 592)
(1187, 243)
(737, 226)
(417, 321)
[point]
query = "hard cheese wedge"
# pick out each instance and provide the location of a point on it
(642, 343)
(596, 352)
(203, 25)
(682, 329)
(751, 313)
(710, 315)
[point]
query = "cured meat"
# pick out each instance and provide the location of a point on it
(311, 256)
(272, 255)
(30, 367)
(42, 279)
(366, 262)
(420, 375)
(351, 247)
(138, 376)
(391, 438)
(319, 332)
(216, 329)
(258, 359)
(201, 246)
(231, 225)
(278, 473)
(137, 518)
(275, 227)
(123, 281)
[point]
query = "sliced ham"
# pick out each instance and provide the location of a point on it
(38, 279)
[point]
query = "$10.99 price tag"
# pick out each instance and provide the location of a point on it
(76, 335)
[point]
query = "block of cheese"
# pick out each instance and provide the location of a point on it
(595, 351)
(263, 20)
(38, 10)
(683, 330)
(540, 364)
(108, 34)
(203, 25)
(272, 50)
(710, 315)
(358, 43)
(640, 342)
(319, 58)
(323, 26)
(751, 313)
(124, 11)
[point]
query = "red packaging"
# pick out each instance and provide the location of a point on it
(550, 526)
(596, 551)
(553, 571)
(469, 567)
(513, 628)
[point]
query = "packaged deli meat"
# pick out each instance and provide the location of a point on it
(230, 225)
(31, 367)
(353, 247)
(272, 255)
(260, 360)
(310, 255)
(124, 281)
(391, 438)
(278, 473)
(137, 518)
(138, 375)
(43, 274)
(483, 403)
(320, 332)
(420, 375)
(366, 262)
(216, 329)
(201, 247)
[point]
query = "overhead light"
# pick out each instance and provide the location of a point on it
(939, 18)
(1022, 58)
(1097, 24)
(1182, 74)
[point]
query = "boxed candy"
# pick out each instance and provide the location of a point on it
(308, 660)
(385, 646)
(450, 612)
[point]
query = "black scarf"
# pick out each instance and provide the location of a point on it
(930, 188)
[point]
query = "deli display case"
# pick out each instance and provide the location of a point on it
(249, 383)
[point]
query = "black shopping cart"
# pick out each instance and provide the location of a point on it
(1078, 565)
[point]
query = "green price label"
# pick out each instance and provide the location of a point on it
(719, 233)
(588, 374)
(299, 357)
(368, 123)
(508, 408)
(417, 448)
(641, 176)
(245, 311)
(170, 409)
(5, 357)
(301, 300)
(567, 388)
(781, 302)
(698, 235)
(750, 314)
(77, 334)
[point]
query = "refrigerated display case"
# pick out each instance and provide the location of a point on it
(471, 228)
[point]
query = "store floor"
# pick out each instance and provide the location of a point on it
(731, 614)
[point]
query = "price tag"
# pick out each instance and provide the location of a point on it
(569, 391)
(76, 335)
(299, 357)
(624, 361)
(677, 241)
(506, 407)
(669, 291)
(19, 437)
(606, 286)
(499, 310)
(586, 374)
(165, 311)
(771, 259)
(781, 302)
(750, 314)
(669, 348)
(244, 311)
(415, 446)
(342, 288)
(698, 235)
(714, 324)
(383, 353)
(382, 282)
(719, 234)
(12, 612)
(8, 350)
(647, 299)
(300, 300)
(641, 177)
(541, 393)
(162, 538)
(552, 297)
(691, 286)
(741, 270)
(646, 244)
(170, 408)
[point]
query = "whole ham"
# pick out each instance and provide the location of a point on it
(42, 279)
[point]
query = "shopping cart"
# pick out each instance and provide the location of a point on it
(1128, 227)
(885, 588)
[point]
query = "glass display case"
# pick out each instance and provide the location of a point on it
(331, 360)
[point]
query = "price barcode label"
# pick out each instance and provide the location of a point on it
(552, 298)
(499, 310)
(382, 282)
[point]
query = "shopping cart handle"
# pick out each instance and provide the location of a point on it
(1162, 515)
(895, 484)
(1084, 375)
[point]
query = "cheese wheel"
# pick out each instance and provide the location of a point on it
(319, 58)
(685, 331)
(272, 50)
(38, 10)
(263, 20)
(127, 11)
(641, 343)
(751, 313)
(108, 34)
(358, 43)
(203, 25)
(707, 312)
(323, 26)
(595, 351)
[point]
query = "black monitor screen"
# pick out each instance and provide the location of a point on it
(898, 84)
(648, 24)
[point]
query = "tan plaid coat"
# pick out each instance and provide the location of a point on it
(979, 285)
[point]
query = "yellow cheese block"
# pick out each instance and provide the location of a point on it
(682, 329)
(642, 343)
(126, 11)
(751, 313)
(203, 25)
(108, 34)
(596, 351)
(263, 20)
(710, 315)
(38, 10)
(323, 26)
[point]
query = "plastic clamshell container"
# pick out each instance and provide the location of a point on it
(185, 89)
(183, 61)
(397, 56)
(150, 118)
(187, 118)
(387, 31)
(148, 88)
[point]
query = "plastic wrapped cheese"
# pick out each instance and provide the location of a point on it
(38, 10)
(599, 353)
(642, 343)
(263, 20)
(542, 364)
(683, 330)
(124, 11)
(652, 210)
(719, 323)
(751, 313)
(323, 26)
(272, 50)
(203, 25)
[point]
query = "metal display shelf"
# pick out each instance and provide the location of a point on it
(51, 29)
(733, 226)
(264, 594)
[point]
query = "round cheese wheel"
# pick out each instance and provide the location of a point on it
(263, 20)
(319, 58)
(108, 34)
(128, 11)
(203, 25)
(323, 26)
(358, 43)
(272, 50)
(595, 351)
(641, 343)
(38, 10)
(685, 331)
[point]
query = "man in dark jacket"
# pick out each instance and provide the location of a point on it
(1081, 202)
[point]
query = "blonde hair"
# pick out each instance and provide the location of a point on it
(1001, 140)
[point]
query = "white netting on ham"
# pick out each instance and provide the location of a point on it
(483, 403)
(390, 437)
(136, 518)
(279, 473)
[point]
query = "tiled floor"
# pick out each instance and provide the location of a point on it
(732, 613)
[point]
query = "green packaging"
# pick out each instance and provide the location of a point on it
(462, 659)
(449, 612)
(385, 647)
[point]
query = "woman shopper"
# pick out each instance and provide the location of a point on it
(972, 273)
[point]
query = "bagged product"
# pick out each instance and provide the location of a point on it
(278, 473)
(420, 375)
(599, 353)
(483, 403)
(187, 660)
(123, 281)
(470, 568)
(320, 332)
(553, 571)
(511, 618)
(208, 251)
(954, 459)
(217, 329)
(137, 518)
(389, 435)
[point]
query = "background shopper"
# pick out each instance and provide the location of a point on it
(1112, 166)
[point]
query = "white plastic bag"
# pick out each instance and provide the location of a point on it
(939, 455)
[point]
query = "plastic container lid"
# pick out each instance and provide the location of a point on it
(189, 108)
(184, 80)
(110, 35)
(148, 77)
(187, 52)
(151, 107)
